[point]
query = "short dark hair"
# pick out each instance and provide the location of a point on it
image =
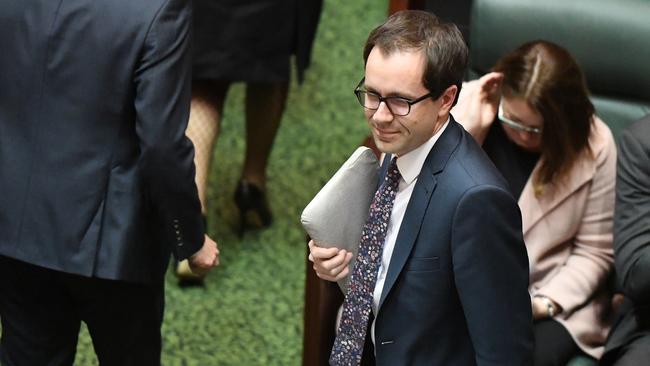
(547, 77)
(442, 43)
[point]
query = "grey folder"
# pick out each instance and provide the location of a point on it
(336, 215)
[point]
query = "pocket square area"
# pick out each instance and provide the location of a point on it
(423, 264)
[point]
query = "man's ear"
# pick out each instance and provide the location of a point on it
(447, 99)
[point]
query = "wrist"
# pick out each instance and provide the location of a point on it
(552, 309)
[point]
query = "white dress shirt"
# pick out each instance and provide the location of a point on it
(409, 166)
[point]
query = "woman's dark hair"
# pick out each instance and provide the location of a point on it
(550, 80)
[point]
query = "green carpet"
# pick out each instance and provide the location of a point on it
(250, 311)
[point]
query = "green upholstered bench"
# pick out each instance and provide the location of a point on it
(582, 361)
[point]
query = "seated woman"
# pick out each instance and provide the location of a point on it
(534, 119)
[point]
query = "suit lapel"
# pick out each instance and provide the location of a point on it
(533, 208)
(418, 203)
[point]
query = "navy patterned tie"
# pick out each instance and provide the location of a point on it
(348, 346)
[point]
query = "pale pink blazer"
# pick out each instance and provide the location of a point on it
(568, 235)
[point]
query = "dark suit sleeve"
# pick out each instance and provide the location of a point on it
(491, 274)
(632, 213)
(162, 83)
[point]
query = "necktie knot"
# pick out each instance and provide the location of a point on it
(393, 175)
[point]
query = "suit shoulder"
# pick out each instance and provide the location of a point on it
(634, 148)
(601, 139)
(138, 12)
(639, 131)
(148, 7)
(471, 167)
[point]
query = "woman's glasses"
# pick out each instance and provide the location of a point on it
(516, 125)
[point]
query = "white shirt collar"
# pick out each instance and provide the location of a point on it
(410, 164)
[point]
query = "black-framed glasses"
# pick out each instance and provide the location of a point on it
(398, 106)
(516, 125)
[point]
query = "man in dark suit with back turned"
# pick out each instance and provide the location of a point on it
(96, 176)
(629, 339)
(442, 265)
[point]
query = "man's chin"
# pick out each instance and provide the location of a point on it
(385, 146)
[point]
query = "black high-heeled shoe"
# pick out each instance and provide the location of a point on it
(254, 211)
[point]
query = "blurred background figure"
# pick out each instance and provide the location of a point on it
(97, 177)
(250, 41)
(629, 340)
(534, 119)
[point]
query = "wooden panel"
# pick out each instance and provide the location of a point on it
(322, 301)
(397, 5)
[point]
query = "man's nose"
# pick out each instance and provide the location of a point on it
(383, 114)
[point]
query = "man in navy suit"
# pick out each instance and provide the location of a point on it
(96, 176)
(452, 284)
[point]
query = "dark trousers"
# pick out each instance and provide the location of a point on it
(553, 344)
(41, 312)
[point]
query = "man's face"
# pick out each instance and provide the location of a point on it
(400, 74)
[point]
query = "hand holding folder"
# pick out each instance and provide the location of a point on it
(336, 215)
